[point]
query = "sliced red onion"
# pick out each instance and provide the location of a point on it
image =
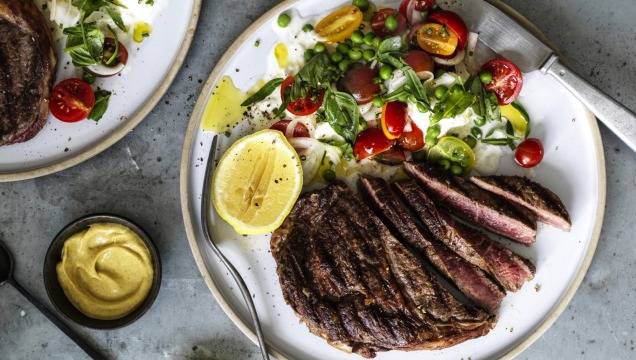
(459, 57)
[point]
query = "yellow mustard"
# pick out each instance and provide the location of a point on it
(106, 271)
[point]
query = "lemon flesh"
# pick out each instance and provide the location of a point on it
(257, 182)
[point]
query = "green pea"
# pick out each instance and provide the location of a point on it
(368, 54)
(378, 102)
(357, 37)
(307, 28)
(476, 132)
(412, 99)
(456, 169)
(368, 38)
(433, 131)
(445, 163)
(421, 108)
(355, 55)
(430, 140)
(344, 65)
(376, 42)
(485, 76)
(480, 121)
(309, 53)
(337, 57)
(283, 20)
(403, 98)
(419, 156)
(386, 72)
(391, 23)
(363, 5)
(343, 48)
(439, 72)
(320, 48)
(440, 91)
(329, 175)
(470, 141)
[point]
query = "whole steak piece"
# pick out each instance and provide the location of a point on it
(356, 286)
(27, 70)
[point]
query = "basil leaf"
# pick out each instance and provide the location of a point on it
(317, 74)
(455, 102)
(477, 89)
(116, 18)
(85, 44)
(263, 92)
(493, 112)
(415, 85)
(497, 142)
(342, 113)
(391, 45)
(390, 59)
(150, 2)
(101, 104)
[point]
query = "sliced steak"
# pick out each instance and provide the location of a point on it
(510, 269)
(355, 285)
(474, 204)
(544, 203)
(27, 70)
(469, 279)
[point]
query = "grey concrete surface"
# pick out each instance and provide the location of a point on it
(597, 37)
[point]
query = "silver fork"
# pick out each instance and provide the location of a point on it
(205, 224)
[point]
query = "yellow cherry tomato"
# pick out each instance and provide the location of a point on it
(339, 25)
(437, 39)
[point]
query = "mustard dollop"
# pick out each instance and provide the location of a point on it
(106, 271)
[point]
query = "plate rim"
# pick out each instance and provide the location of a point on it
(194, 125)
(134, 120)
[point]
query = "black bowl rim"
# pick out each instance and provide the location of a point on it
(54, 255)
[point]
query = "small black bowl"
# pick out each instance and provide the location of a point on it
(54, 256)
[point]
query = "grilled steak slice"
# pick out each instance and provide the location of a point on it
(27, 70)
(474, 204)
(358, 287)
(510, 269)
(545, 204)
(469, 279)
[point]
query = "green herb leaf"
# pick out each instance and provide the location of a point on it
(345, 148)
(342, 113)
(150, 2)
(493, 112)
(263, 92)
(101, 104)
(317, 74)
(116, 18)
(415, 85)
(456, 101)
(85, 44)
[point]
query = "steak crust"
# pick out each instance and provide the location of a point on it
(355, 285)
(27, 70)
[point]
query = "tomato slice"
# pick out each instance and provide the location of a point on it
(393, 119)
(412, 140)
(420, 62)
(71, 100)
(300, 130)
(437, 39)
(301, 107)
(529, 153)
(358, 81)
(506, 80)
(379, 19)
(454, 23)
(370, 142)
(340, 24)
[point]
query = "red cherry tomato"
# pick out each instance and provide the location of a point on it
(71, 100)
(454, 23)
(394, 118)
(529, 153)
(358, 81)
(301, 107)
(300, 130)
(420, 61)
(370, 142)
(506, 80)
(379, 19)
(412, 140)
(412, 9)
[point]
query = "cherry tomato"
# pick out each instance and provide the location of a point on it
(300, 130)
(420, 61)
(454, 23)
(71, 100)
(103, 69)
(370, 142)
(379, 19)
(412, 9)
(412, 140)
(394, 118)
(393, 156)
(358, 81)
(437, 39)
(506, 80)
(529, 153)
(340, 24)
(301, 107)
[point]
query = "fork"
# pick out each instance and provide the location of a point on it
(205, 224)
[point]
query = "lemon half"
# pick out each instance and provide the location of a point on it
(256, 182)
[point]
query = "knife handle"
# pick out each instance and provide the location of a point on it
(615, 116)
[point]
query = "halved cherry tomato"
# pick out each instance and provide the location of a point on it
(300, 130)
(420, 61)
(529, 153)
(437, 39)
(358, 81)
(301, 107)
(105, 69)
(454, 23)
(412, 140)
(71, 100)
(394, 118)
(412, 9)
(340, 24)
(379, 19)
(506, 80)
(370, 142)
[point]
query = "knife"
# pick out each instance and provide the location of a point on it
(507, 38)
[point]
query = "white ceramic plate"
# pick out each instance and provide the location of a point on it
(151, 68)
(573, 167)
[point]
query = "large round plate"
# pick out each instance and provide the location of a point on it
(573, 167)
(151, 69)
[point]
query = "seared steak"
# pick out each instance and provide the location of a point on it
(27, 70)
(474, 204)
(544, 203)
(358, 287)
(469, 279)
(510, 269)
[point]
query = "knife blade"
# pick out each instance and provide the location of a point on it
(509, 39)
